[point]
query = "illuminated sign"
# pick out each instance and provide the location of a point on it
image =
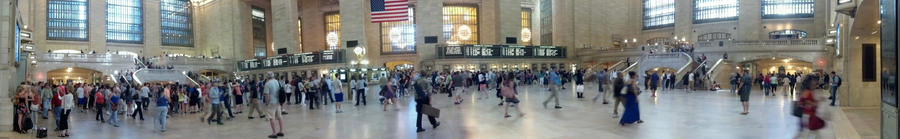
(500, 51)
(324, 57)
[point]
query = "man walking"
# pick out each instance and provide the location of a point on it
(360, 90)
(254, 100)
(273, 107)
(214, 98)
(423, 98)
(555, 82)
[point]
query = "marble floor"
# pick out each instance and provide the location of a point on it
(673, 114)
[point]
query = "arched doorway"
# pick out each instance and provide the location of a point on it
(399, 65)
(76, 75)
(210, 75)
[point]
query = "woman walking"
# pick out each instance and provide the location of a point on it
(387, 91)
(632, 112)
(812, 118)
(508, 91)
(162, 109)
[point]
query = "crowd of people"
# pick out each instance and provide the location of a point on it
(265, 97)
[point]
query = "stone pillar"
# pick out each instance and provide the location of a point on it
(7, 29)
(749, 20)
(96, 27)
(284, 22)
(354, 18)
(509, 20)
(152, 25)
(684, 17)
(429, 19)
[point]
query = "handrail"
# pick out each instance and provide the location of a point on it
(690, 60)
(711, 69)
(633, 65)
(141, 62)
(190, 79)
(133, 75)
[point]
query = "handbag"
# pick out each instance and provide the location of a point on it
(579, 88)
(796, 110)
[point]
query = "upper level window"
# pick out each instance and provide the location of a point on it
(787, 8)
(461, 24)
(714, 36)
(399, 36)
(258, 24)
(300, 34)
(123, 21)
(175, 17)
(526, 27)
(661, 41)
(659, 13)
(715, 10)
(787, 34)
(333, 31)
(67, 20)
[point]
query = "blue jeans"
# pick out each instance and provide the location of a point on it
(160, 122)
(766, 88)
(46, 107)
(114, 117)
(56, 114)
(833, 94)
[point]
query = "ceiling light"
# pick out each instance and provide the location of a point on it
(879, 22)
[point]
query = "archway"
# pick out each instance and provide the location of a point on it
(76, 75)
(399, 65)
(210, 75)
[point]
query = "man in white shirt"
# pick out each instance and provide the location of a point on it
(691, 81)
(274, 109)
(360, 85)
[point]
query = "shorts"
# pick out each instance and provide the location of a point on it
(653, 86)
(81, 101)
(239, 99)
(339, 97)
(273, 111)
(512, 100)
(745, 95)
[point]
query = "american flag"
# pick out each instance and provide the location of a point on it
(389, 10)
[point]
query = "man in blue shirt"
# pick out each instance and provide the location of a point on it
(555, 82)
(214, 99)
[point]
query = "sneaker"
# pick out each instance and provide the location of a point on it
(251, 118)
(420, 130)
(280, 134)
(558, 107)
(436, 125)
(273, 136)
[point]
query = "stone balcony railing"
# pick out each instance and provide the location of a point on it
(759, 43)
(85, 58)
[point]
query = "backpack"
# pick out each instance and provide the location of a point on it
(839, 80)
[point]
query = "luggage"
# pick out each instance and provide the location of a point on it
(431, 111)
(41, 132)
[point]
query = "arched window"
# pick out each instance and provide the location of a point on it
(67, 20)
(460, 24)
(176, 27)
(124, 21)
(399, 37)
(787, 34)
(714, 36)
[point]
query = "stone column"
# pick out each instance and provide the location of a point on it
(429, 19)
(684, 17)
(96, 26)
(509, 17)
(749, 20)
(284, 25)
(354, 18)
(152, 25)
(7, 29)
